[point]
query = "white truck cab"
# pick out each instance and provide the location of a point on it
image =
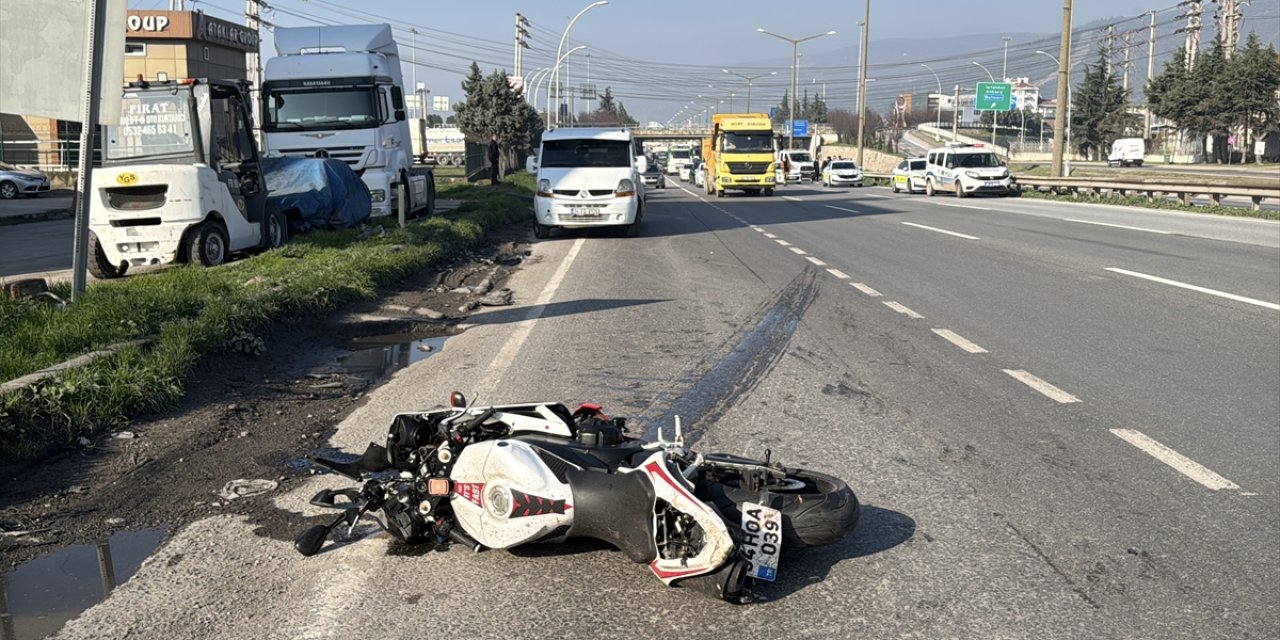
(800, 162)
(588, 177)
(1127, 151)
(966, 169)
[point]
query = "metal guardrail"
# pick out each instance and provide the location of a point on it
(1153, 189)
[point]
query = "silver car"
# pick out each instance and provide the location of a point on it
(15, 182)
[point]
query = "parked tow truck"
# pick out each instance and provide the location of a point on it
(181, 180)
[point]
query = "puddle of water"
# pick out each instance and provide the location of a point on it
(38, 597)
(380, 355)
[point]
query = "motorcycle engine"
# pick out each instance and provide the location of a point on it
(408, 434)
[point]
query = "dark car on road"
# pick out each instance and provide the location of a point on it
(654, 177)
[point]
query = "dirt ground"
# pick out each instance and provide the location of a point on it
(246, 416)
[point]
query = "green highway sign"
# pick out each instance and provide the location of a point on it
(994, 96)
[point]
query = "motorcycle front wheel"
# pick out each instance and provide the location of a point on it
(817, 509)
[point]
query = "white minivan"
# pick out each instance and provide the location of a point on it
(966, 169)
(588, 177)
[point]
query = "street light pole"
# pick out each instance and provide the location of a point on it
(794, 43)
(553, 74)
(559, 57)
(749, 79)
(1061, 129)
(993, 113)
(937, 112)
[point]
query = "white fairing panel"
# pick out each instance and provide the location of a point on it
(674, 489)
(505, 495)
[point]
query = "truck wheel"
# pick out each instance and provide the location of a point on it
(8, 191)
(208, 244)
(99, 265)
(768, 193)
(275, 231)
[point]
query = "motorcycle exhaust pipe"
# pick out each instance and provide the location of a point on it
(729, 582)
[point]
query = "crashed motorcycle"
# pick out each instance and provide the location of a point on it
(502, 476)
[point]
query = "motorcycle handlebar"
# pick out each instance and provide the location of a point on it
(478, 420)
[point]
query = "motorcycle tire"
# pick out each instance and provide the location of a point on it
(823, 511)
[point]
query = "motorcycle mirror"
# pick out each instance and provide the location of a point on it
(457, 400)
(309, 543)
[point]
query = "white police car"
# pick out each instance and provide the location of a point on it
(966, 169)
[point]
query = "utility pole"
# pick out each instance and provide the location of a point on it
(955, 114)
(252, 60)
(95, 37)
(1151, 71)
(1004, 70)
(522, 43)
(1228, 17)
(1108, 47)
(1192, 44)
(862, 78)
(1062, 120)
(1127, 37)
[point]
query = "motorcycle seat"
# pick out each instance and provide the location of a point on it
(605, 457)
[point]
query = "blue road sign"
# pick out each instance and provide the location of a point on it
(799, 128)
(773, 112)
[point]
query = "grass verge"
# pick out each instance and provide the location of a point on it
(190, 312)
(1142, 201)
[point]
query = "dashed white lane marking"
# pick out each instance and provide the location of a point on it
(875, 195)
(1182, 464)
(770, 235)
(865, 289)
(816, 261)
(838, 273)
(792, 198)
(1041, 386)
(897, 306)
(1118, 226)
(1192, 287)
(963, 206)
(832, 206)
(798, 251)
(957, 340)
(783, 243)
(757, 228)
(950, 233)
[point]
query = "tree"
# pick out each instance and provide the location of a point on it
(434, 120)
(607, 104)
(1254, 77)
(1099, 110)
(493, 107)
(783, 113)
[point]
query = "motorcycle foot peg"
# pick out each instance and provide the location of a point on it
(459, 536)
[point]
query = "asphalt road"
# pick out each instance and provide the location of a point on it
(1131, 492)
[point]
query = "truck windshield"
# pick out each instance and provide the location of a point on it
(328, 108)
(799, 156)
(152, 124)
(747, 142)
(680, 154)
(586, 153)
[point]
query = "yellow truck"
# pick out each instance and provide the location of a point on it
(739, 154)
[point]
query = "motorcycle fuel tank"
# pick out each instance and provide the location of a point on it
(505, 495)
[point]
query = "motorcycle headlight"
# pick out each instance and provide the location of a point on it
(625, 188)
(544, 188)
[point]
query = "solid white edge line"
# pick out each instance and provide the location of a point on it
(838, 273)
(1118, 226)
(865, 289)
(798, 251)
(900, 308)
(959, 341)
(783, 243)
(1192, 287)
(1043, 387)
(832, 206)
(816, 261)
(963, 206)
(1180, 463)
(950, 233)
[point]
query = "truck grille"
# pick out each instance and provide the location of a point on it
(137, 198)
(747, 168)
(349, 155)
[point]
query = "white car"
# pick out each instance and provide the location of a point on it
(700, 175)
(908, 176)
(966, 169)
(686, 172)
(26, 182)
(588, 177)
(841, 173)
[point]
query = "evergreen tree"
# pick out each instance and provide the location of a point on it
(493, 107)
(607, 104)
(783, 112)
(818, 109)
(1099, 110)
(1254, 76)
(625, 118)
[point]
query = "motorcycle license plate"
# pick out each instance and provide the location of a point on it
(762, 539)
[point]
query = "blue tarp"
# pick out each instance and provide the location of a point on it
(316, 193)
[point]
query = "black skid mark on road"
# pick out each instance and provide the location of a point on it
(754, 353)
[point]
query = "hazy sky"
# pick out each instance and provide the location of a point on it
(658, 55)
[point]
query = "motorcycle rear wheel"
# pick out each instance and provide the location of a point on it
(817, 509)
